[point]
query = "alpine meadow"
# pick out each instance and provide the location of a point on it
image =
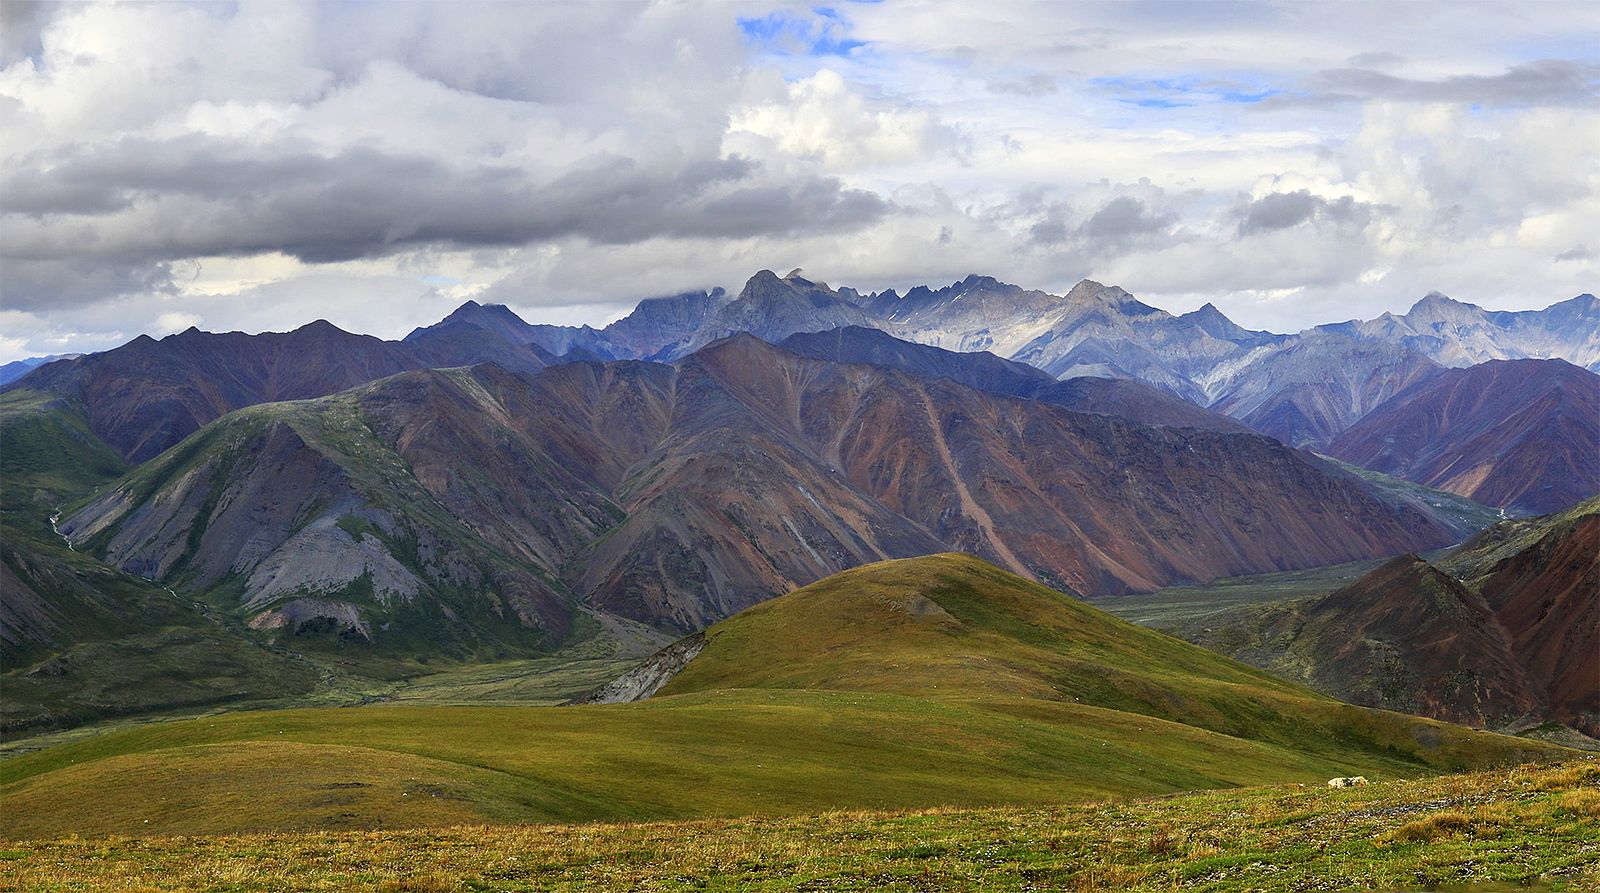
(907, 445)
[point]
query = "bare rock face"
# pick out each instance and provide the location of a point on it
(1546, 595)
(772, 309)
(302, 615)
(658, 323)
(1307, 392)
(1457, 334)
(646, 679)
(325, 558)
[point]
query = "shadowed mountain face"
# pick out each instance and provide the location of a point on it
(679, 494)
(1125, 398)
(772, 309)
(147, 395)
(1505, 629)
(1404, 637)
(1518, 434)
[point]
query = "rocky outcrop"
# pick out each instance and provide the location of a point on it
(648, 677)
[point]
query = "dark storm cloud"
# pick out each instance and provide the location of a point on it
(52, 283)
(1122, 222)
(21, 22)
(157, 201)
(1556, 82)
(1281, 210)
(1123, 218)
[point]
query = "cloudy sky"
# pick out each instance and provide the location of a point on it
(254, 166)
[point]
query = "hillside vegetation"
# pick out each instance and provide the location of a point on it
(1501, 632)
(915, 683)
(1531, 828)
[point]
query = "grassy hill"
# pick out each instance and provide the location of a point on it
(1523, 829)
(915, 683)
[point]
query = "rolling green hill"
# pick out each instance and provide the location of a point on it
(912, 683)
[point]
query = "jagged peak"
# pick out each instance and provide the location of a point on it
(761, 279)
(1436, 300)
(1207, 311)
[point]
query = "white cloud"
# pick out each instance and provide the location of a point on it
(259, 165)
(175, 321)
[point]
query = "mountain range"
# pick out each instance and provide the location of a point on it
(678, 494)
(1304, 389)
(488, 489)
(1523, 434)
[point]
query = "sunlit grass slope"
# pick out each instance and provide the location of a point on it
(914, 683)
(1524, 829)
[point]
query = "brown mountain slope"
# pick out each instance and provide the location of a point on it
(1522, 434)
(147, 395)
(1404, 637)
(1506, 628)
(680, 494)
(1542, 578)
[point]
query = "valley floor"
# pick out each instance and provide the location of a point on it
(1526, 828)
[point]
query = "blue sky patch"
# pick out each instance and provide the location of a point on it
(824, 33)
(1167, 93)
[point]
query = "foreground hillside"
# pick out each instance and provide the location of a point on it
(1533, 828)
(905, 684)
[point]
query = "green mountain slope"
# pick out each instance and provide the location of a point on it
(81, 641)
(909, 683)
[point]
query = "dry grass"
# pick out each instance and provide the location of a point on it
(1508, 828)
